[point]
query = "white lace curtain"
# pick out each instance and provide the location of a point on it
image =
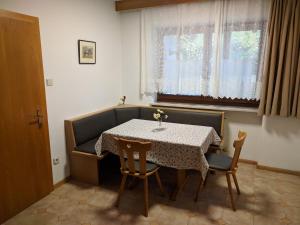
(212, 48)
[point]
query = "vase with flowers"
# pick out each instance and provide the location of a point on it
(160, 115)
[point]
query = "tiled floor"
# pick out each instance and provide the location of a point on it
(267, 199)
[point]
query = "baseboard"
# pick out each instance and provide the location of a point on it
(60, 183)
(278, 170)
(269, 168)
(252, 162)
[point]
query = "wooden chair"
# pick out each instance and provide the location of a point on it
(137, 168)
(226, 164)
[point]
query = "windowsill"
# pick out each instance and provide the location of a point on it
(208, 107)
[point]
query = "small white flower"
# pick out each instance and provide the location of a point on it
(166, 116)
(160, 111)
(156, 116)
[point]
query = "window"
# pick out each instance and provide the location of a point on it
(195, 58)
(192, 57)
(189, 50)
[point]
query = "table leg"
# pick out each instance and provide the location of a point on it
(181, 180)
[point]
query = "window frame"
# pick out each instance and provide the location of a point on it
(208, 33)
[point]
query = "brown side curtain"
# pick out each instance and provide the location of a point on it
(281, 84)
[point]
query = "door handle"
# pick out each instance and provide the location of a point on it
(38, 119)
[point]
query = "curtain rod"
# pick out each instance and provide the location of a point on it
(138, 4)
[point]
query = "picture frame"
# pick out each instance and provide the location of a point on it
(86, 52)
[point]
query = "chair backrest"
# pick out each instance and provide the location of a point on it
(238, 144)
(127, 150)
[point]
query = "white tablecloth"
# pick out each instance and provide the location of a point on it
(179, 146)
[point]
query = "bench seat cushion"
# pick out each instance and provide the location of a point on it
(88, 147)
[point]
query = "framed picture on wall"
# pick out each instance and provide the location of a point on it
(87, 52)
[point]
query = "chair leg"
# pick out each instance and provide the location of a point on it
(201, 183)
(122, 186)
(230, 190)
(146, 195)
(236, 183)
(159, 183)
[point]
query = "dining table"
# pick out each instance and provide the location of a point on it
(179, 146)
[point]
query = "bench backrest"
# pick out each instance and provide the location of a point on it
(125, 114)
(193, 117)
(91, 126)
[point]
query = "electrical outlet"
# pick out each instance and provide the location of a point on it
(55, 161)
(49, 82)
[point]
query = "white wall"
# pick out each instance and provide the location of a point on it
(271, 141)
(84, 88)
(77, 88)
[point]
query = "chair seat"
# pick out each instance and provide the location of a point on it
(219, 161)
(149, 166)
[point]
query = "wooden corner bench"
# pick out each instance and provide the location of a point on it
(83, 132)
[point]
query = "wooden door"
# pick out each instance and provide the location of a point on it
(25, 162)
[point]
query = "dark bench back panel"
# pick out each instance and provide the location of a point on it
(196, 118)
(188, 117)
(125, 114)
(147, 113)
(92, 126)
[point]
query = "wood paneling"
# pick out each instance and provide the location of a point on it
(25, 162)
(84, 168)
(138, 4)
(79, 160)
